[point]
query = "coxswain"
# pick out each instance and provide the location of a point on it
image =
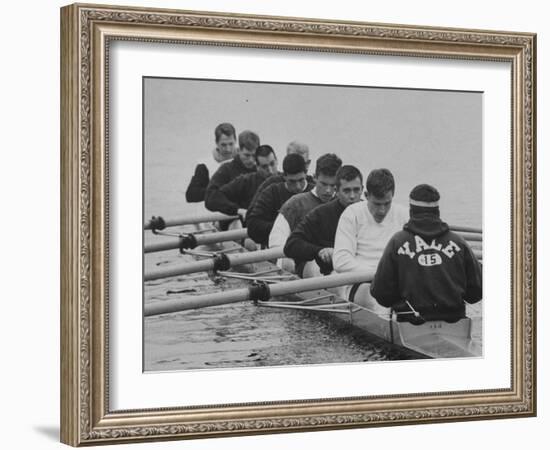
(427, 272)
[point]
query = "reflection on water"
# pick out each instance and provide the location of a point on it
(246, 335)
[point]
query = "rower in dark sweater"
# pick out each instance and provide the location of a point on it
(296, 207)
(243, 163)
(224, 150)
(294, 147)
(311, 243)
(263, 212)
(235, 196)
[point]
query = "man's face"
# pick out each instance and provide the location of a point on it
(226, 146)
(295, 183)
(267, 165)
(247, 158)
(379, 207)
(325, 187)
(349, 191)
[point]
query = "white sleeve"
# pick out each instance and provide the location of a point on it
(345, 245)
(280, 232)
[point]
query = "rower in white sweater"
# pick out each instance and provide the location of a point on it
(364, 229)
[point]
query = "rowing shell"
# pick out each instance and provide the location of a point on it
(434, 339)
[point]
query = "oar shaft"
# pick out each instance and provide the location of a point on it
(200, 301)
(471, 236)
(195, 240)
(236, 259)
(324, 282)
(282, 288)
(207, 216)
(465, 229)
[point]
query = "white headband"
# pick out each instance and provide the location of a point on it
(423, 204)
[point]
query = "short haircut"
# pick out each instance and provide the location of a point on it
(327, 164)
(297, 147)
(293, 164)
(263, 151)
(380, 182)
(249, 140)
(348, 173)
(226, 129)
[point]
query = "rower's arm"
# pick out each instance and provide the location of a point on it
(220, 178)
(197, 186)
(345, 245)
(299, 244)
(258, 219)
(221, 199)
(265, 184)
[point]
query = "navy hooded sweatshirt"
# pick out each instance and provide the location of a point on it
(434, 269)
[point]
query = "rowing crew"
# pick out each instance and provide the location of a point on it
(324, 227)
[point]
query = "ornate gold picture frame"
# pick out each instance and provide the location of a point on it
(87, 34)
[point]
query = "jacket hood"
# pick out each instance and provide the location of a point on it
(426, 225)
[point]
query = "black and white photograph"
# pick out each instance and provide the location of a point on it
(292, 224)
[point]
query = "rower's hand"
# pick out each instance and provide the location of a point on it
(325, 255)
(242, 213)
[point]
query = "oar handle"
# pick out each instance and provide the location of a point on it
(207, 216)
(236, 259)
(190, 240)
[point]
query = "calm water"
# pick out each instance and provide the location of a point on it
(421, 136)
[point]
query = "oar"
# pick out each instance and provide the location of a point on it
(219, 262)
(465, 229)
(190, 240)
(470, 236)
(159, 223)
(262, 292)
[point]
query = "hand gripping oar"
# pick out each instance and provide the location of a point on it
(257, 292)
(217, 262)
(190, 240)
(158, 223)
